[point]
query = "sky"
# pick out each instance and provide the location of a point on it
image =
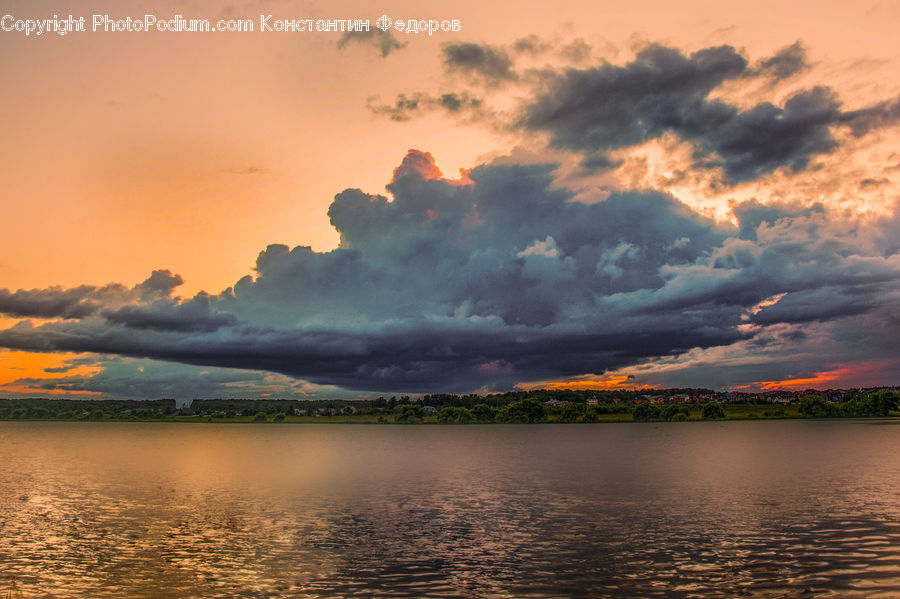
(550, 194)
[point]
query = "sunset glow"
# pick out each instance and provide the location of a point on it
(700, 194)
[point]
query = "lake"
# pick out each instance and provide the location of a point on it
(695, 509)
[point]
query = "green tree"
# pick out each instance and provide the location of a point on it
(447, 415)
(884, 402)
(38, 412)
(483, 413)
(279, 417)
(644, 412)
(572, 412)
(97, 414)
(453, 415)
(260, 417)
(813, 406)
(678, 412)
(712, 411)
(528, 410)
(411, 414)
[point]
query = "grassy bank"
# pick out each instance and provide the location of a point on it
(732, 412)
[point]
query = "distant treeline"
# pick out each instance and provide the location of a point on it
(250, 407)
(514, 406)
(543, 395)
(80, 409)
(855, 404)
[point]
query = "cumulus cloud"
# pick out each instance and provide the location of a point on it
(531, 44)
(490, 64)
(663, 90)
(54, 302)
(134, 378)
(494, 279)
(78, 302)
(190, 315)
(880, 115)
(786, 62)
(159, 285)
(406, 107)
(382, 41)
(596, 110)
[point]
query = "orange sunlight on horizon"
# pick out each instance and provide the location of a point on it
(616, 382)
(18, 365)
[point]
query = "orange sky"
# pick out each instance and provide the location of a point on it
(125, 153)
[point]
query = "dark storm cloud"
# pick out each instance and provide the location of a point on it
(753, 213)
(501, 277)
(491, 64)
(159, 285)
(531, 44)
(577, 50)
(82, 301)
(406, 107)
(785, 63)
(383, 41)
(56, 302)
(663, 90)
(880, 115)
(188, 316)
(598, 109)
(124, 378)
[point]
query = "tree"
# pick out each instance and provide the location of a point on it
(483, 413)
(644, 412)
(813, 406)
(411, 414)
(97, 414)
(454, 415)
(675, 412)
(260, 417)
(572, 412)
(279, 417)
(713, 411)
(526, 411)
(884, 402)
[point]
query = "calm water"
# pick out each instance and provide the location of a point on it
(767, 509)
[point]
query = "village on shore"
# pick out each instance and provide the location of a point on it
(540, 405)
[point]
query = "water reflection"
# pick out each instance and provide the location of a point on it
(680, 510)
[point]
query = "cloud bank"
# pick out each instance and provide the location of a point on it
(497, 278)
(599, 109)
(517, 272)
